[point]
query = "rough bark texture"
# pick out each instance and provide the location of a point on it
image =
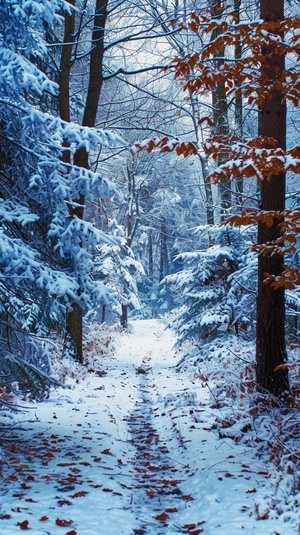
(270, 340)
(220, 108)
(81, 159)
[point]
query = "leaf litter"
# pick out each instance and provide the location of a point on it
(127, 452)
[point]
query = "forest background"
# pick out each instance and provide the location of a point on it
(149, 163)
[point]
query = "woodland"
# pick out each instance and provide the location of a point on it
(149, 166)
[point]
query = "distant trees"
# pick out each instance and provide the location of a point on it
(257, 73)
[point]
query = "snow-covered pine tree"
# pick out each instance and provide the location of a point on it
(213, 286)
(116, 265)
(44, 255)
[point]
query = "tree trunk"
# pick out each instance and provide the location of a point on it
(150, 250)
(220, 108)
(164, 260)
(124, 316)
(238, 111)
(75, 319)
(270, 338)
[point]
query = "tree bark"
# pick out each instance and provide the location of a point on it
(220, 108)
(270, 337)
(81, 157)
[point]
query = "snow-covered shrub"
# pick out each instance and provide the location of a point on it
(216, 287)
(115, 265)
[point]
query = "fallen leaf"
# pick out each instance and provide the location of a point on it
(79, 494)
(11, 478)
(23, 525)
(188, 498)
(265, 516)
(163, 517)
(64, 502)
(171, 510)
(106, 452)
(30, 500)
(172, 482)
(73, 532)
(44, 518)
(63, 523)
(150, 493)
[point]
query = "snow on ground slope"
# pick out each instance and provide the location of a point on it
(132, 448)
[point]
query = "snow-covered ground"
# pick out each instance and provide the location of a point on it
(135, 447)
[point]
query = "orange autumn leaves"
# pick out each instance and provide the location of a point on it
(258, 157)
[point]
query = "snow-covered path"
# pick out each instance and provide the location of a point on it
(132, 448)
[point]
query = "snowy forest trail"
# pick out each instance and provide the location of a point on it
(132, 449)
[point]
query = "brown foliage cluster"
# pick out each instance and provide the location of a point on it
(198, 71)
(258, 157)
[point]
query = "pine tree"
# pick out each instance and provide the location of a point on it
(40, 241)
(211, 289)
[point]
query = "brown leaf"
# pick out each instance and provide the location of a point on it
(63, 523)
(265, 516)
(79, 494)
(150, 493)
(44, 518)
(73, 532)
(64, 502)
(106, 452)
(11, 478)
(171, 510)
(163, 517)
(23, 525)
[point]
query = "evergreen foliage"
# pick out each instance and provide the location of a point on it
(44, 256)
(115, 264)
(213, 287)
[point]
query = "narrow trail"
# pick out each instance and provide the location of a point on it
(156, 479)
(157, 496)
(131, 448)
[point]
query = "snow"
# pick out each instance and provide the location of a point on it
(132, 447)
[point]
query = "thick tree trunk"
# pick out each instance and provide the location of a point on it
(270, 340)
(75, 316)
